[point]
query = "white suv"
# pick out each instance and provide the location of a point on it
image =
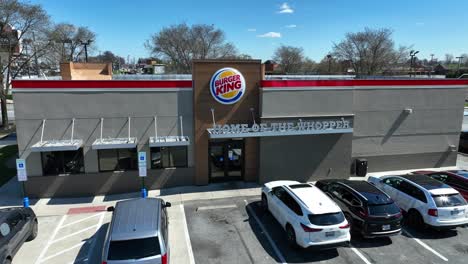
(425, 200)
(310, 217)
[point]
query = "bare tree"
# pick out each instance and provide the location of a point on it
(68, 41)
(448, 59)
(180, 44)
(19, 21)
(289, 58)
(308, 66)
(371, 51)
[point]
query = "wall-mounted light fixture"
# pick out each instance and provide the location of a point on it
(453, 148)
(408, 111)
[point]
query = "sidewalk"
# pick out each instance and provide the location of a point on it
(10, 195)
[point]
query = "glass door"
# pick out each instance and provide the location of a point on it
(226, 160)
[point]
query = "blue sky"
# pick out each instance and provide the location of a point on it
(432, 26)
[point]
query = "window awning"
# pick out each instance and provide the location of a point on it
(168, 141)
(114, 143)
(57, 144)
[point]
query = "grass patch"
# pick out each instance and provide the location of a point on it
(7, 153)
(466, 104)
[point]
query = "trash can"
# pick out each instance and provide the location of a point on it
(361, 167)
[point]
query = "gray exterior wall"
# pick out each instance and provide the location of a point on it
(310, 157)
(58, 108)
(392, 140)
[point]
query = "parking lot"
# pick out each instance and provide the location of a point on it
(71, 238)
(237, 231)
(234, 230)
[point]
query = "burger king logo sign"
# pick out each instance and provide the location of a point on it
(227, 86)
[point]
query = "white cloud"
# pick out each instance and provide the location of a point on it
(419, 23)
(291, 26)
(270, 35)
(285, 9)
(251, 29)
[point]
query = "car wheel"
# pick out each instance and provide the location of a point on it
(34, 231)
(291, 236)
(264, 204)
(415, 220)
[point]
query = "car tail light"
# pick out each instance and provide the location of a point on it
(432, 212)
(310, 229)
(164, 259)
(345, 226)
(104, 262)
(363, 213)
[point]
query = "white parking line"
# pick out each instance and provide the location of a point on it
(93, 243)
(74, 234)
(226, 206)
(187, 236)
(272, 244)
(63, 251)
(426, 246)
(83, 219)
(360, 255)
(44, 250)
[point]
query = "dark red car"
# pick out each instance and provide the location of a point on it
(457, 179)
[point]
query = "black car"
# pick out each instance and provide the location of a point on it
(17, 225)
(370, 212)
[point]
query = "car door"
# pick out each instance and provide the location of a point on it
(164, 230)
(275, 200)
(390, 186)
(353, 205)
(16, 221)
(411, 196)
(292, 210)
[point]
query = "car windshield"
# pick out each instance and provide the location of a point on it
(326, 219)
(449, 200)
(383, 209)
(134, 249)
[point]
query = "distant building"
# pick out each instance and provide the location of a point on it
(440, 69)
(9, 43)
(270, 66)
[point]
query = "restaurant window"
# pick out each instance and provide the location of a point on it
(62, 162)
(168, 157)
(117, 159)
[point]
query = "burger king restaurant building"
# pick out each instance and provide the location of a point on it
(229, 123)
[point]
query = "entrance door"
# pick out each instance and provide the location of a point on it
(226, 160)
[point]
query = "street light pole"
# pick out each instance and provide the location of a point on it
(85, 44)
(329, 57)
(459, 62)
(412, 57)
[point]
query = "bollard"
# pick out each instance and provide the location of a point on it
(26, 202)
(144, 193)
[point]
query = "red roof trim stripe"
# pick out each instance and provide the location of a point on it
(350, 83)
(82, 84)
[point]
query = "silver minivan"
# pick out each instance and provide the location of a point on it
(138, 233)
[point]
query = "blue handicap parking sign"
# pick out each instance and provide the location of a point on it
(21, 165)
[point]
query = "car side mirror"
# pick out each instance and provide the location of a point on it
(167, 204)
(110, 209)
